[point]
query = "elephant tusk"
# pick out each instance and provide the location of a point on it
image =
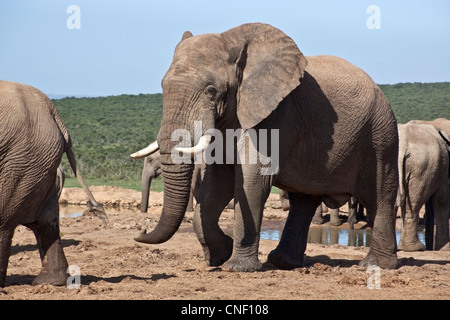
(151, 148)
(199, 147)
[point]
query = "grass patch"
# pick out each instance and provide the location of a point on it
(157, 184)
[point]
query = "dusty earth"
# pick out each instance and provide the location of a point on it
(109, 264)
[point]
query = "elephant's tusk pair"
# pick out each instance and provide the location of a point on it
(199, 147)
(151, 148)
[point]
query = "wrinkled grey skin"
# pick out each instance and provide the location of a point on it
(32, 142)
(424, 180)
(152, 169)
(337, 138)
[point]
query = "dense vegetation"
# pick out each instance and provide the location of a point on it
(423, 101)
(106, 130)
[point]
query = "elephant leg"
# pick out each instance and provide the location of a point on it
(317, 218)
(284, 199)
(334, 217)
(46, 230)
(409, 240)
(250, 195)
(441, 215)
(5, 250)
(291, 249)
(352, 214)
(190, 206)
(383, 246)
(215, 193)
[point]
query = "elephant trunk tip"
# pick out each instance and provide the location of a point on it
(152, 237)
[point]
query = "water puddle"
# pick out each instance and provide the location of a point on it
(329, 235)
(70, 211)
(272, 229)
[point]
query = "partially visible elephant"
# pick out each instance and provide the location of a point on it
(354, 215)
(152, 170)
(423, 180)
(32, 141)
(439, 124)
(329, 129)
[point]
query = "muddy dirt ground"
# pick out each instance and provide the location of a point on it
(111, 265)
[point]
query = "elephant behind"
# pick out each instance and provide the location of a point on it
(423, 180)
(32, 141)
(152, 170)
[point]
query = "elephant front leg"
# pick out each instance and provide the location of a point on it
(290, 251)
(216, 191)
(251, 192)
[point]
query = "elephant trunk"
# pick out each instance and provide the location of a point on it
(177, 182)
(145, 190)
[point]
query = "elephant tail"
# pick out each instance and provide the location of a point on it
(402, 183)
(95, 207)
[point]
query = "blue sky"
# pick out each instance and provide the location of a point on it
(127, 46)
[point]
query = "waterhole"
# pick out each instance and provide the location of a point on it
(272, 230)
(329, 235)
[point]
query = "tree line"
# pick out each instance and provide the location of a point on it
(106, 130)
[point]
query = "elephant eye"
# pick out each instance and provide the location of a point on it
(211, 92)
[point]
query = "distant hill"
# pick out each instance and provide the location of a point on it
(424, 101)
(106, 130)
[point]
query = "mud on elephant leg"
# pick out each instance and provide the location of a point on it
(216, 191)
(290, 251)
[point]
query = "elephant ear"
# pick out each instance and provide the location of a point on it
(269, 67)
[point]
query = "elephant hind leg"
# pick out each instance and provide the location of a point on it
(46, 230)
(5, 250)
(441, 217)
(290, 251)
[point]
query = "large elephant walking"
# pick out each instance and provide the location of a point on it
(32, 142)
(337, 137)
(424, 180)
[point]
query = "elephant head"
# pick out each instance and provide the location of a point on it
(230, 80)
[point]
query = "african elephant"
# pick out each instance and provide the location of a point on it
(32, 141)
(152, 169)
(423, 180)
(327, 126)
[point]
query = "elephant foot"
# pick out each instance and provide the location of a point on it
(285, 205)
(317, 220)
(216, 255)
(56, 278)
(284, 261)
(384, 262)
(445, 247)
(335, 221)
(411, 246)
(243, 264)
